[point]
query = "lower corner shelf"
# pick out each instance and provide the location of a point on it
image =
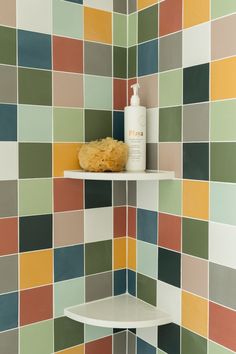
(123, 311)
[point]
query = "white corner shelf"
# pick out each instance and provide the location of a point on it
(120, 176)
(123, 311)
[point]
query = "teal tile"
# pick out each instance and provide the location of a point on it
(94, 333)
(120, 30)
(171, 88)
(170, 197)
(95, 97)
(222, 203)
(223, 120)
(147, 259)
(68, 125)
(38, 337)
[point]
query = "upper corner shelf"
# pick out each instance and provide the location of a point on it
(120, 176)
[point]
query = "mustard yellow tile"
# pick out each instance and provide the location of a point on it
(145, 3)
(75, 350)
(97, 25)
(196, 199)
(36, 269)
(223, 79)
(65, 157)
(195, 313)
(195, 12)
(120, 253)
(131, 253)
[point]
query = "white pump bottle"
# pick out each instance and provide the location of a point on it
(135, 133)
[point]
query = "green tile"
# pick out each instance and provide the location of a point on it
(147, 259)
(148, 24)
(192, 343)
(223, 168)
(223, 121)
(7, 45)
(68, 293)
(170, 197)
(146, 289)
(170, 124)
(37, 337)
(98, 257)
(119, 30)
(35, 197)
(132, 61)
(35, 87)
(132, 29)
(222, 203)
(217, 349)
(35, 123)
(120, 62)
(195, 237)
(93, 333)
(67, 19)
(68, 125)
(171, 88)
(95, 97)
(98, 124)
(35, 160)
(67, 333)
(221, 8)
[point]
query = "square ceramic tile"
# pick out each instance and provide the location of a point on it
(169, 267)
(148, 24)
(196, 199)
(223, 28)
(98, 286)
(196, 161)
(169, 338)
(106, 5)
(9, 283)
(147, 195)
(67, 19)
(119, 94)
(9, 197)
(196, 122)
(8, 13)
(132, 29)
(169, 231)
(152, 125)
(196, 12)
(147, 259)
(152, 156)
(8, 45)
(195, 275)
(219, 8)
(8, 122)
(98, 224)
(191, 340)
(132, 62)
(67, 55)
(103, 190)
(171, 87)
(68, 262)
(68, 228)
(119, 193)
(68, 125)
(9, 341)
(120, 62)
(222, 165)
(147, 58)
(170, 48)
(170, 158)
(120, 29)
(220, 112)
(196, 84)
(94, 97)
(169, 300)
(146, 289)
(97, 59)
(8, 94)
(120, 6)
(149, 335)
(222, 79)
(170, 124)
(118, 125)
(132, 6)
(170, 10)
(147, 226)
(98, 124)
(195, 237)
(9, 243)
(67, 90)
(42, 335)
(170, 197)
(97, 25)
(8, 160)
(149, 91)
(119, 221)
(144, 347)
(68, 194)
(9, 311)
(67, 333)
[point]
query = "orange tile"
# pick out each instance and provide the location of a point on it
(196, 12)
(120, 253)
(145, 3)
(223, 78)
(75, 350)
(195, 313)
(36, 269)
(65, 157)
(131, 254)
(196, 199)
(97, 25)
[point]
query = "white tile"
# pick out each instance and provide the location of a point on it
(149, 335)
(98, 224)
(152, 125)
(196, 45)
(169, 300)
(8, 160)
(106, 5)
(35, 15)
(147, 195)
(222, 244)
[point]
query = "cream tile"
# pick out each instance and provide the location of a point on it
(147, 195)
(8, 160)
(169, 300)
(106, 5)
(97, 224)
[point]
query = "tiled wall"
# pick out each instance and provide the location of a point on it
(62, 82)
(182, 233)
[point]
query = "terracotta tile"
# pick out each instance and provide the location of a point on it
(119, 94)
(119, 222)
(67, 90)
(65, 157)
(8, 13)
(67, 54)
(101, 346)
(68, 228)
(170, 16)
(8, 236)
(149, 91)
(170, 158)
(68, 194)
(97, 25)
(132, 222)
(169, 231)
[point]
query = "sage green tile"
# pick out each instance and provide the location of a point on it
(221, 8)
(148, 24)
(98, 257)
(35, 87)
(93, 333)
(68, 125)
(146, 289)
(35, 123)
(171, 88)
(170, 197)
(222, 203)
(195, 237)
(7, 45)
(67, 19)
(120, 30)
(147, 259)
(132, 29)
(223, 120)
(35, 197)
(192, 343)
(67, 333)
(95, 97)
(132, 62)
(223, 167)
(68, 293)
(120, 62)
(170, 124)
(98, 124)
(214, 348)
(37, 337)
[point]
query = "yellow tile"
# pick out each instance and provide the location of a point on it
(131, 253)
(145, 3)
(195, 313)
(195, 12)
(75, 350)
(97, 25)
(196, 199)
(36, 269)
(120, 253)
(223, 79)
(65, 157)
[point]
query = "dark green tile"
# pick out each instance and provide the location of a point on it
(7, 45)
(35, 87)
(35, 160)
(169, 267)
(196, 84)
(196, 161)
(195, 237)
(98, 257)
(132, 61)
(146, 289)
(67, 333)
(98, 194)
(169, 338)
(192, 343)
(148, 24)
(170, 124)
(120, 62)
(98, 124)
(223, 166)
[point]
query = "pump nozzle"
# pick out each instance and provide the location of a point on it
(135, 100)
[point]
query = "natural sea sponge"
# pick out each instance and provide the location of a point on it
(103, 155)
